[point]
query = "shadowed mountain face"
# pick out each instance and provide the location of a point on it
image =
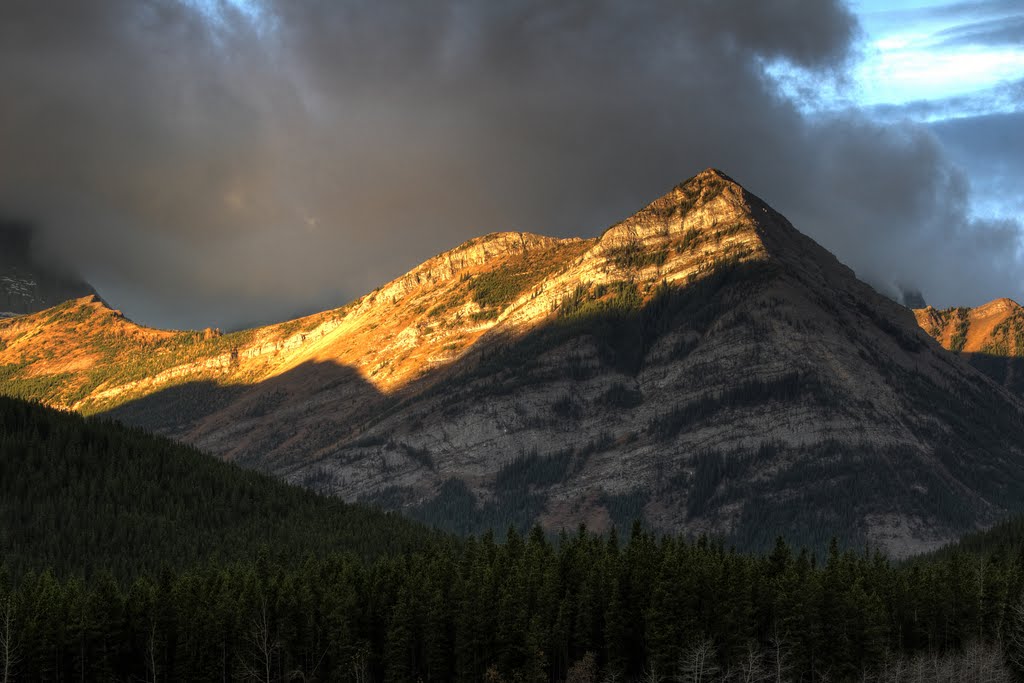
(989, 337)
(702, 364)
(26, 284)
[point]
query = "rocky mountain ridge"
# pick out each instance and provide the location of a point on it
(701, 364)
(990, 337)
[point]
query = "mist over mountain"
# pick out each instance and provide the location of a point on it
(31, 281)
(217, 163)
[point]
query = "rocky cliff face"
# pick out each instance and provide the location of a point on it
(989, 337)
(702, 365)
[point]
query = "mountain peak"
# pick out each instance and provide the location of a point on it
(709, 219)
(713, 174)
(708, 200)
(998, 306)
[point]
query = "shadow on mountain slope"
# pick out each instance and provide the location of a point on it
(1005, 370)
(260, 425)
(325, 425)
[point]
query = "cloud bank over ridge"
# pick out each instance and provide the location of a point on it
(219, 163)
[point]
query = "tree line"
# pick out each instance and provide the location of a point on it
(128, 557)
(577, 608)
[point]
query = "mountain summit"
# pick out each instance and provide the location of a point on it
(702, 365)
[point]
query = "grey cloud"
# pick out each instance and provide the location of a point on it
(991, 150)
(993, 32)
(965, 9)
(1008, 96)
(234, 170)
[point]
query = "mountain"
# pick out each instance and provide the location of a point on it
(78, 496)
(27, 284)
(701, 364)
(990, 337)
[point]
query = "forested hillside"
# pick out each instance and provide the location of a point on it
(128, 557)
(79, 496)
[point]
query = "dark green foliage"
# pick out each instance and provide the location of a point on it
(494, 290)
(585, 302)
(197, 570)
(1005, 538)
(501, 286)
(688, 240)
(1007, 337)
(80, 495)
(32, 388)
(443, 307)
(625, 508)
(961, 320)
(484, 315)
(454, 508)
(959, 337)
(635, 256)
(525, 609)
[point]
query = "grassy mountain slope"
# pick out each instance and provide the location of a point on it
(702, 364)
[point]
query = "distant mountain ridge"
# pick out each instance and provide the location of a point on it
(990, 337)
(702, 365)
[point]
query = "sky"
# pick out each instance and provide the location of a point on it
(232, 162)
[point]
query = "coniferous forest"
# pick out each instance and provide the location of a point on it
(250, 579)
(82, 496)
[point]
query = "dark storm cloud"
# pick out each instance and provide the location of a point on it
(205, 164)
